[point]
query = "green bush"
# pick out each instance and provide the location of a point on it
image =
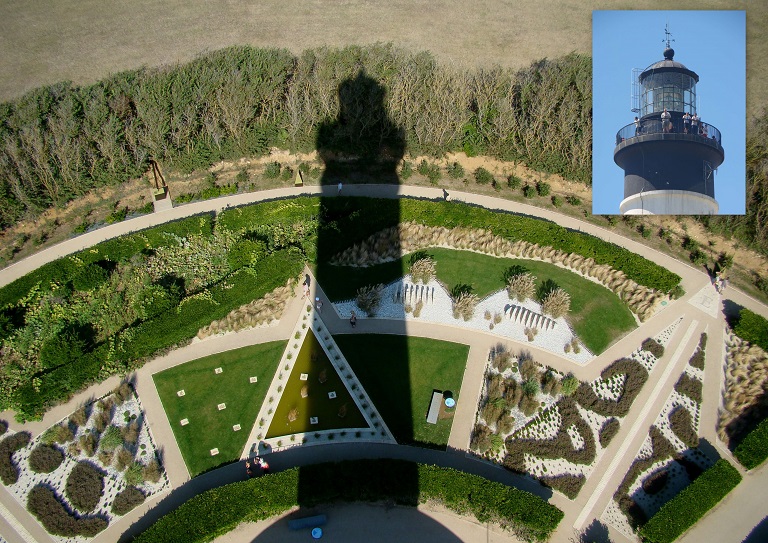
(753, 449)
(47, 507)
(681, 422)
(514, 182)
(557, 201)
(690, 505)
(483, 176)
(9, 471)
(753, 328)
(430, 170)
(242, 178)
(529, 191)
(653, 347)
(573, 200)
(455, 170)
(272, 171)
(406, 170)
(568, 484)
(398, 481)
(542, 188)
(608, 431)
(45, 458)
(111, 439)
(90, 277)
(689, 386)
(85, 485)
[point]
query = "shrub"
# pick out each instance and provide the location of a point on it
(429, 170)
(557, 201)
(9, 472)
(130, 433)
(681, 422)
(689, 386)
(483, 176)
(753, 328)
(753, 449)
(698, 257)
(521, 287)
(690, 244)
(111, 439)
(85, 485)
(242, 178)
(531, 387)
(464, 306)
(134, 474)
(542, 188)
(3, 427)
(272, 171)
(492, 410)
(152, 471)
(677, 292)
(514, 182)
(529, 191)
(124, 457)
(88, 443)
(569, 385)
(661, 449)
(287, 173)
(455, 170)
(61, 433)
(127, 500)
(655, 482)
(45, 458)
(608, 431)
(79, 417)
(636, 377)
(423, 270)
(690, 505)
(573, 200)
(89, 277)
(653, 347)
(556, 304)
(368, 298)
(406, 170)
(47, 507)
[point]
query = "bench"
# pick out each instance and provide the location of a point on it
(434, 407)
(307, 522)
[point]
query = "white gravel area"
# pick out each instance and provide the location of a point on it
(437, 308)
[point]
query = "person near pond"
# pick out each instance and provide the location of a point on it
(666, 123)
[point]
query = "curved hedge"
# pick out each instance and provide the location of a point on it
(690, 505)
(9, 471)
(48, 508)
(636, 377)
(403, 482)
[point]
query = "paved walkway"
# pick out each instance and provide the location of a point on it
(696, 310)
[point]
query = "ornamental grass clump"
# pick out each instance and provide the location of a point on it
(368, 298)
(557, 303)
(423, 270)
(464, 306)
(521, 287)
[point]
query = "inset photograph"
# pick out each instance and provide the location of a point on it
(669, 112)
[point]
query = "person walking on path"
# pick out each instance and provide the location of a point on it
(340, 187)
(318, 304)
(353, 320)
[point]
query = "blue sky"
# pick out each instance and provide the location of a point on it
(712, 44)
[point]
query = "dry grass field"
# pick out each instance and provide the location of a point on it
(52, 40)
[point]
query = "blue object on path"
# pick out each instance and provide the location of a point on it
(317, 533)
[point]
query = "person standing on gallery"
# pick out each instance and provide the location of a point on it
(687, 122)
(666, 123)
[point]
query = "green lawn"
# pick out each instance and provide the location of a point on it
(312, 360)
(208, 427)
(399, 373)
(597, 315)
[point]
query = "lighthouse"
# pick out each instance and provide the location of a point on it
(669, 154)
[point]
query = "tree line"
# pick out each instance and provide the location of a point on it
(60, 141)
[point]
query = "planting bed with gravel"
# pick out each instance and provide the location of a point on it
(508, 320)
(669, 458)
(560, 442)
(106, 412)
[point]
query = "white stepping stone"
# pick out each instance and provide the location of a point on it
(184, 422)
(180, 393)
(218, 371)
(253, 380)
(313, 420)
(222, 406)
(236, 428)
(214, 452)
(331, 395)
(303, 376)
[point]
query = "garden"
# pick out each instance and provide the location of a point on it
(88, 469)
(213, 402)
(551, 427)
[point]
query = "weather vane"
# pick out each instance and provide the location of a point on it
(668, 39)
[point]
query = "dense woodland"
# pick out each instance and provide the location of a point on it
(60, 141)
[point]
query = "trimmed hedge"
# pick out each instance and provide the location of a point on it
(54, 516)
(653, 347)
(127, 499)
(681, 422)
(689, 386)
(753, 328)
(568, 484)
(85, 485)
(690, 505)
(9, 471)
(403, 482)
(636, 377)
(608, 431)
(753, 450)
(45, 458)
